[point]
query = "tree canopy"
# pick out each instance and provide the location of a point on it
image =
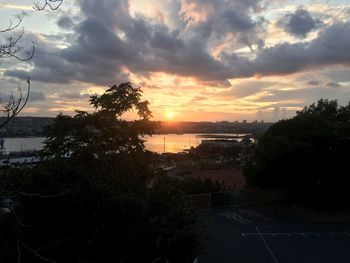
(95, 197)
(307, 154)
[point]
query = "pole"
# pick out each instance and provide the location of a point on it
(2, 148)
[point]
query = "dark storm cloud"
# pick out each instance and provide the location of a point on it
(65, 22)
(109, 39)
(333, 84)
(34, 96)
(314, 82)
(227, 18)
(309, 95)
(89, 59)
(108, 42)
(300, 23)
(331, 47)
(37, 96)
(237, 22)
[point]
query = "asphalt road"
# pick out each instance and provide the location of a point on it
(272, 234)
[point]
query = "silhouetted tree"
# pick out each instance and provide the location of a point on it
(308, 154)
(95, 197)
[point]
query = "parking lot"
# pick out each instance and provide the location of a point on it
(272, 234)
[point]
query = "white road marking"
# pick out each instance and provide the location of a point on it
(296, 234)
(236, 217)
(251, 212)
(266, 245)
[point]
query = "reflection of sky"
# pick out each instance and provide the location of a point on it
(23, 144)
(173, 143)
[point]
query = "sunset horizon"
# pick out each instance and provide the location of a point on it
(195, 60)
(174, 131)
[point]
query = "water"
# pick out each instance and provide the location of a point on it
(23, 144)
(173, 143)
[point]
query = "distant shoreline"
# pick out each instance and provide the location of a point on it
(204, 134)
(29, 127)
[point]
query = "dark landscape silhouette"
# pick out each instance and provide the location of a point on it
(248, 106)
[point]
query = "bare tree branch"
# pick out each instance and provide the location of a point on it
(34, 252)
(53, 244)
(52, 4)
(13, 26)
(27, 194)
(19, 221)
(41, 195)
(10, 46)
(19, 252)
(15, 106)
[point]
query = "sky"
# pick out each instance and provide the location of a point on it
(195, 60)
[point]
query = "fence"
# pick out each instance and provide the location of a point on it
(248, 195)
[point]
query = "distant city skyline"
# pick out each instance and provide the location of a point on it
(195, 60)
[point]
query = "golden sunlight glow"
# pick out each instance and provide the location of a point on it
(31, 110)
(18, 7)
(170, 115)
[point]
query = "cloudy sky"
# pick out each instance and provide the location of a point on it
(194, 59)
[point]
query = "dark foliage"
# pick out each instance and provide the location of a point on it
(308, 154)
(95, 198)
(193, 186)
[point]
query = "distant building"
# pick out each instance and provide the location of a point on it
(222, 143)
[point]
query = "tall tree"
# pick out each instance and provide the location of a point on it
(95, 197)
(307, 154)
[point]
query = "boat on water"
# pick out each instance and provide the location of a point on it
(20, 161)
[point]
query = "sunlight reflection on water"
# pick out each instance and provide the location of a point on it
(173, 143)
